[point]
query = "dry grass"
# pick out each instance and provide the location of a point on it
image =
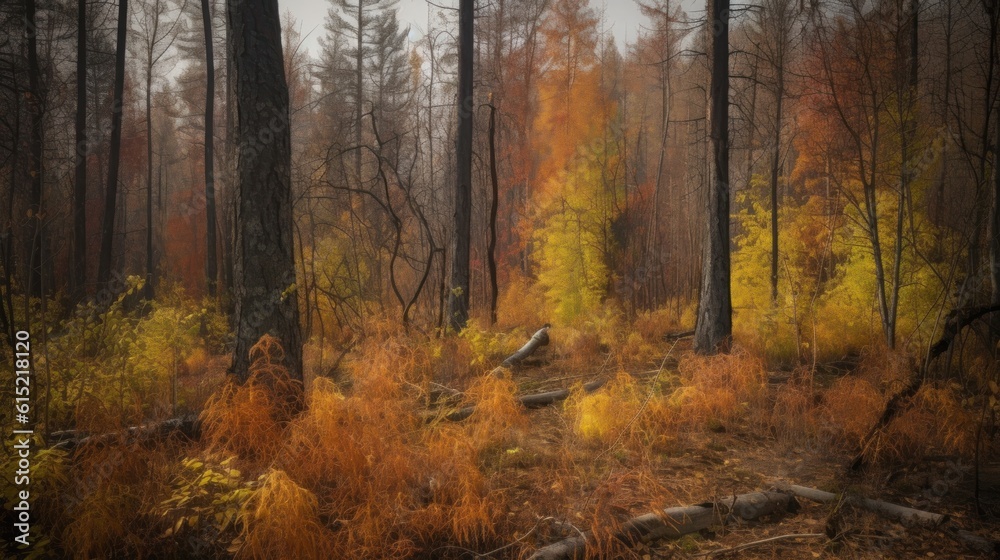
(850, 408)
(718, 390)
(114, 488)
(385, 485)
(281, 520)
(937, 422)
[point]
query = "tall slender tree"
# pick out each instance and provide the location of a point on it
(157, 36)
(79, 269)
(35, 164)
(264, 266)
(713, 332)
(458, 300)
(111, 193)
(776, 24)
(211, 253)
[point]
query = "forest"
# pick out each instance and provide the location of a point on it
(501, 283)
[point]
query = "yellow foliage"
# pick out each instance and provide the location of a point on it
(603, 416)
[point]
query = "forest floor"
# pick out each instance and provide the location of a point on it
(550, 475)
(372, 468)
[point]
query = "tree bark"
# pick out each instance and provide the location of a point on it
(458, 298)
(154, 432)
(776, 167)
(264, 282)
(111, 193)
(894, 512)
(678, 521)
(995, 210)
(35, 168)
(536, 400)
(957, 320)
(149, 290)
(79, 267)
(713, 332)
(540, 338)
(491, 252)
(211, 251)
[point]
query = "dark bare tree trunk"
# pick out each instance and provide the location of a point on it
(211, 252)
(713, 332)
(359, 76)
(149, 290)
(775, 169)
(111, 193)
(995, 239)
(35, 170)
(994, 13)
(458, 299)
(264, 283)
(79, 272)
(494, 202)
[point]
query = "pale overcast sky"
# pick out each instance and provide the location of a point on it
(621, 16)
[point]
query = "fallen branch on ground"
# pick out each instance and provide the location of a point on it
(537, 340)
(745, 546)
(187, 426)
(678, 521)
(957, 320)
(678, 335)
(902, 514)
(536, 400)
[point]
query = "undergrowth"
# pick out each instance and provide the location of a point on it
(363, 470)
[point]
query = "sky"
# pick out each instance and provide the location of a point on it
(621, 16)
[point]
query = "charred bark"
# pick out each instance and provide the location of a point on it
(713, 332)
(264, 283)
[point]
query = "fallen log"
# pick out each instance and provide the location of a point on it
(536, 400)
(539, 339)
(187, 426)
(678, 335)
(902, 514)
(956, 320)
(976, 543)
(678, 521)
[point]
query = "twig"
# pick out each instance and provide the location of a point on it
(760, 542)
(649, 395)
(517, 540)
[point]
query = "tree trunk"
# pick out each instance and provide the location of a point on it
(211, 252)
(79, 272)
(995, 238)
(148, 290)
(111, 193)
(894, 512)
(264, 282)
(35, 169)
(458, 299)
(678, 521)
(540, 338)
(359, 77)
(775, 169)
(536, 400)
(713, 332)
(494, 203)
(995, 210)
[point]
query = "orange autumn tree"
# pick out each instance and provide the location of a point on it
(578, 182)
